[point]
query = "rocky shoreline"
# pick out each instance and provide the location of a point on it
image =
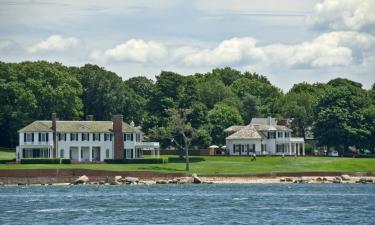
(193, 179)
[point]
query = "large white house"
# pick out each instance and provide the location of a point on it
(82, 141)
(264, 137)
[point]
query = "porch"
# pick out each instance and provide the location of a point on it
(291, 146)
(85, 154)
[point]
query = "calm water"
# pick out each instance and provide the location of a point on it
(189, 204)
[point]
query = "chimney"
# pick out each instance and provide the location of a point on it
(53, 118)
(269, 120)
(118, 137)
(90, 117)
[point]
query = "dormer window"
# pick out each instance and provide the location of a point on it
(85, 137)
(96, 136)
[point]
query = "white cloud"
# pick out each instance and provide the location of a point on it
(54, 43)
(133, 50)
(228, 52)
(329, 49)
(344, 15)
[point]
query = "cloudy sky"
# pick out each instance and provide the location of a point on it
(289, 41)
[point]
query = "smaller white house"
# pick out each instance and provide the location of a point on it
(82, 141)
(264, 137)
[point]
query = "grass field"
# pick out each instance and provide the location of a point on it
(224, 165)
(7, 153)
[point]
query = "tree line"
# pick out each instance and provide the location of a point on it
(341, 113)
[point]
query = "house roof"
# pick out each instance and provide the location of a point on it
(76, 126)
(233, 128)
(271, 128)
(263, 121)
(247, 132)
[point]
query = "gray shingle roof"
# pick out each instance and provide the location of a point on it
(233, 128)
(262, 121)
(247, 132)
(76, 126)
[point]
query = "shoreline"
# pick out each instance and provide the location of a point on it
(69, 176)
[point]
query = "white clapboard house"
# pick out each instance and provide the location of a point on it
(264, 137)
(82, 141)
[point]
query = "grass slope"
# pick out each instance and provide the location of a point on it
(7, 153)
(210, 165)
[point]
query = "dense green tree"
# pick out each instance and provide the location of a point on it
(212, 91)
(340, 117)
(227, 75)
(267, 94)
(221, 117)
(106, 94)
(299, 104)
(31, 91)
(142, 86)
(249, 107)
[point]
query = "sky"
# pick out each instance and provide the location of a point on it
(288, 41)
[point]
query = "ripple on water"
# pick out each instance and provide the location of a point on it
(189, 204)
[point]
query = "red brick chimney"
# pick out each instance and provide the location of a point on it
(53, 118)
(118, 137)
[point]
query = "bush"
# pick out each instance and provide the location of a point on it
(44, 161)
(183, 160)
(4, 161)
(138, 161)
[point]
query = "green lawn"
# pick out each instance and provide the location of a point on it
(7, 153)
(229, 165)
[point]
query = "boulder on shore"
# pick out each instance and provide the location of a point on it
(116, 180)
(82, 180)
(161, 182)
(131, 180)
(196, 179)
(345, 177)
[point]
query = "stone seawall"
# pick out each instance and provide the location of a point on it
(50, 176)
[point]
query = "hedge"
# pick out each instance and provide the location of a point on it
(138, 161)
(44, 161)
(4, 161)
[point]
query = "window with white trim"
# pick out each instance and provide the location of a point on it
(61, 153)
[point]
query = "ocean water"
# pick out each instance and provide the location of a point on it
(189, 204)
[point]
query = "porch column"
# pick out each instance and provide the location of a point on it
(90, 152)
(290, 148)
(297, 149)
(79, 154)
(303, 149)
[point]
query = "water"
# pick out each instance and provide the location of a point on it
(189, 204)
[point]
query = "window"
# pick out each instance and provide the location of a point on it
(271, 135)
(107, 153)
(73, 137)
(96, 136)
(138, 137)
(61, 153)
(280, 148)
(236, 148)
(43, 137)
(28, 137)
(107, 137)
(279, 134)
(61, 136)
(128, 137)
(286, 134)
(85, 137)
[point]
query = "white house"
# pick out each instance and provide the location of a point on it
(82, 141)
(264, 137)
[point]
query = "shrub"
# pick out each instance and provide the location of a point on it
(44, 161)
(4, 161)
(138, 161)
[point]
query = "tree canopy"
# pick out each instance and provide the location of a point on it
(340, 112)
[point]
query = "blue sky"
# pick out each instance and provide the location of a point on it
(289, 41)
